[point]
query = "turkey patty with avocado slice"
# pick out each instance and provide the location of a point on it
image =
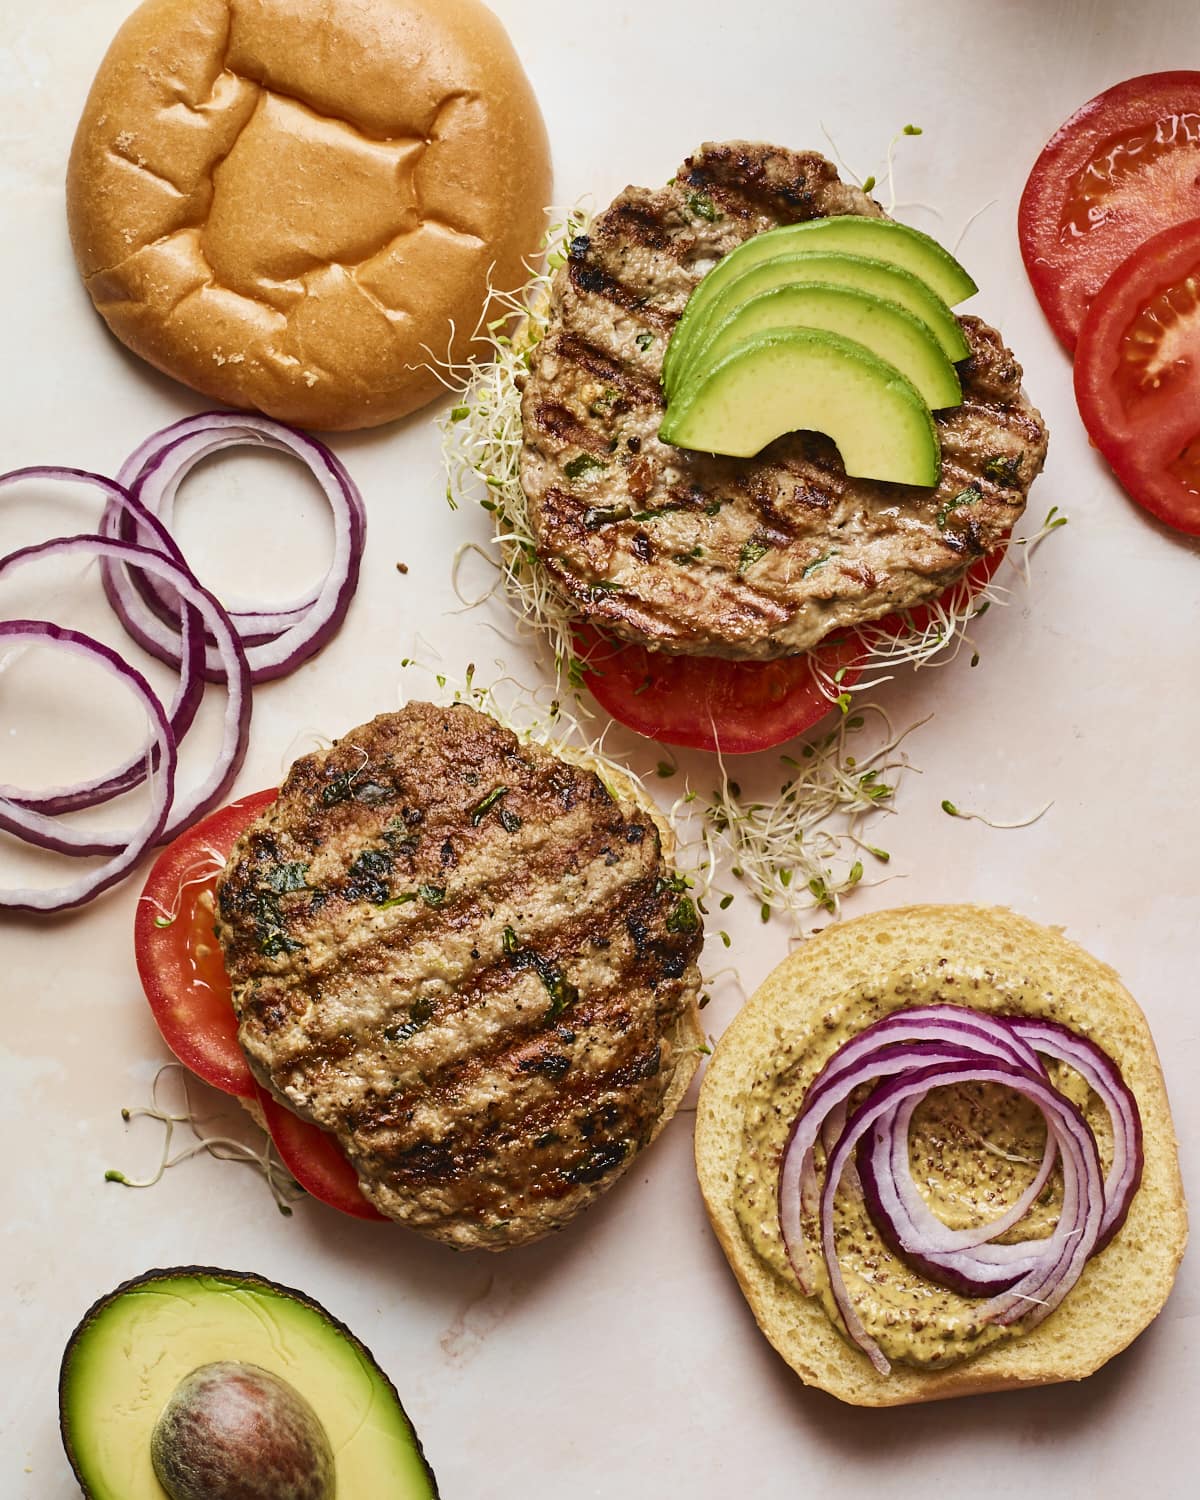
(738, 557)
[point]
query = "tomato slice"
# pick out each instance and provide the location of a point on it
(1123, 167)
(315, 1160)
(179, 960)
(706, 703)
(183, 973)
(736, 707)
(1137, 375)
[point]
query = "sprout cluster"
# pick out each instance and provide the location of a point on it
(796, 850)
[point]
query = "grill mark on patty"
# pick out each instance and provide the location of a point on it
(557, 422)
(468, 908)
(587, 276)
(610, 1023)
(547, 1170)
(663, 958)
(425, 864)
(638, 222)
(392, 1129)
(576, 350)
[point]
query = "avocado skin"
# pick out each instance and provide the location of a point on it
(249, 1281)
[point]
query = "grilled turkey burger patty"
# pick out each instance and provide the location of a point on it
(760, 557)
(471, 960)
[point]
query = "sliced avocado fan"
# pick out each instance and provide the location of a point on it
(804, 378)
(857, 272)
(885, 328)
(850, 234)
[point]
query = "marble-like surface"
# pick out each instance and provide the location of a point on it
(618, 1359)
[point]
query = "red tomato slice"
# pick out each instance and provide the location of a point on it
(705, 703)
(1123, 167)
(736, 707)
(183, 973)
(1137, 375)
(179, 960)
(315, 1160)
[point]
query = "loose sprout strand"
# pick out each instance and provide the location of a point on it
(199, 872)
(953, 811)
(481, 441)
(265, 1159)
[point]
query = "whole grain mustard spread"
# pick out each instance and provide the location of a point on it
(974, 1149)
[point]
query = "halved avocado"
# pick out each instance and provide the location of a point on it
(806, 379)
(861, 273)
(851, 234)
(135, 1346)
(883, 327)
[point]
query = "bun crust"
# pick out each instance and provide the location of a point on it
(1122, 1289)
(289, 204)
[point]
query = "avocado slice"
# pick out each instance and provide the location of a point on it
(857, 271)
(135, 1347)
(805, 378)
(883, 327)
(851, 234)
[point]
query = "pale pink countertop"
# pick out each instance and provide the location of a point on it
(619, 1358)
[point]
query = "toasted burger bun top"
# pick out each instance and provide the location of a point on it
(289, 204)
(992, 959)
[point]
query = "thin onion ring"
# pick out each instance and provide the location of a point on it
(903, 1057)
(276, 639)
(1066, 1250)
(131, 847)
(40, 828)
(188, 694)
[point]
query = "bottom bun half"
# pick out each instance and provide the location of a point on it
(995, 957)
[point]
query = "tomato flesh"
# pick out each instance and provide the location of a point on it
(179, 960)
(738, 707)
(315, 1160)
(182, 970)
(1123, 167)
(1137, 375)
(706, 703)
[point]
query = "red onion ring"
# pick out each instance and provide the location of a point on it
(40, 828)
(906, 1055)
(1103, 1077)
(188, 694)
(963, 1260)
(278, 638)
(885, 1046)
(131, 846)
(1062, 1255)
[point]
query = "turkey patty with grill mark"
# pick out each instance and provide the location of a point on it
(472, 961)
(742, 558)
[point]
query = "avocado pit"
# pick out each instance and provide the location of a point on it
(234, 1431)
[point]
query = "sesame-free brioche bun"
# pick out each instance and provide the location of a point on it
(992, 959)
(288, 204)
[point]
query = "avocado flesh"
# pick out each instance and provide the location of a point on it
(132, 1349)
(856, 271)
(806, 379)
(884, 328)
(851, 234)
